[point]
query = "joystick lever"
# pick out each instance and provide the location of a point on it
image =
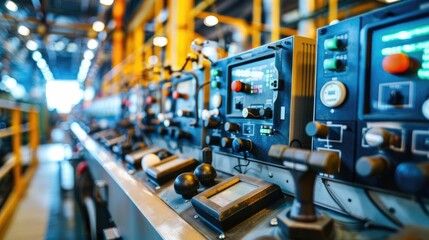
(301, 219)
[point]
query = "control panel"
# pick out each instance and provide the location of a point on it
(189, 96)
(371, 104)
(262, 97)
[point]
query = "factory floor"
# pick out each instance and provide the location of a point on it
(48, 209)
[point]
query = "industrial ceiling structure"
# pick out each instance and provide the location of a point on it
(44, 40)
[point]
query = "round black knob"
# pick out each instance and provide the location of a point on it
(411, 177)
(317, 129)
(179, 134)
(211, 123)
(242, 145)
(207, 155)
(372, 166)
(162, 154)
(231, 127)
(226, 142)
(171, 123)
(162, 131)
(186, 184)
(251, 113)
(266, 112)
(379, 137)
(213, 140)
(206, 174)
(185, 113)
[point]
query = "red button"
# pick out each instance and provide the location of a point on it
(396, 63)
(150, 100)
(176, 95)
(236, 86)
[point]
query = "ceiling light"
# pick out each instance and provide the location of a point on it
(72, 47)
(85, 63)
(160, 41)
(153, 60)
(36, 56)
(98, 26)
(211, 21)
(88, 54)
(92, 44)
(106, 2)
(23, 30)
(32, 45)
(41, 63)
(11, 6)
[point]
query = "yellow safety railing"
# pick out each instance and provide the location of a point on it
(14, 162)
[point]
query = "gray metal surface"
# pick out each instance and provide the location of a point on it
(137, 212)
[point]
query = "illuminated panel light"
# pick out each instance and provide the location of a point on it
(426, 50)
(92, 44)
(425, 65)
(407, 48)
(160, 41)
(88, 54)
(425, 57)
(402, 35)
(85, 63)
(59, 46)
(98, 26)
(211, 21)
(72, 47)
(11, 6)
(23, 30)
(391, 1)
(41, 63)
(36, 56)
(423, 74)
(106, 2)
(32, 45)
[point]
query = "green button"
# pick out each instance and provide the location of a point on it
(331, 64)
(215, 84)
(423, 74)
(216, 72)
(332, 44)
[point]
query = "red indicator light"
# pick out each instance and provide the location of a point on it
(396, 63)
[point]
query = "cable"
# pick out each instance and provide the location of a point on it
(239, 165)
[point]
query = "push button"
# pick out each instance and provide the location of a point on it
(332, 64)
(396, 63)
(332, 44)
(421, 142)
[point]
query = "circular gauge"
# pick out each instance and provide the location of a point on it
(333, 94)
(425, 108)
(168, 104)
(216, 100)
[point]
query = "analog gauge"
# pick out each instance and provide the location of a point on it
(333, 94)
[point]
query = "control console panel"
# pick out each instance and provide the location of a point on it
(372, 98)
(262, 97)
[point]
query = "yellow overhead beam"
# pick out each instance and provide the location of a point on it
(275, 20)
(256, 23)
(143, 14)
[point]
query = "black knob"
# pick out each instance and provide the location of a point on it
(213, 140)
(242, 145)
(231, 127)
(412, 178)
(396, 98)
(206, 174)
(171, 123)
(185, 113)
(317, 129)
(211, 123)
(379, 137)
(226, 142)
(162, 131)
(372, 166)
(186, 184)
(179, 134)
(266, 112)
(207, 155)
(251, 113)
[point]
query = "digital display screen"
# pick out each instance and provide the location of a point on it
(232, 193)
(411, 38)
(168, 165)
(256, 74)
